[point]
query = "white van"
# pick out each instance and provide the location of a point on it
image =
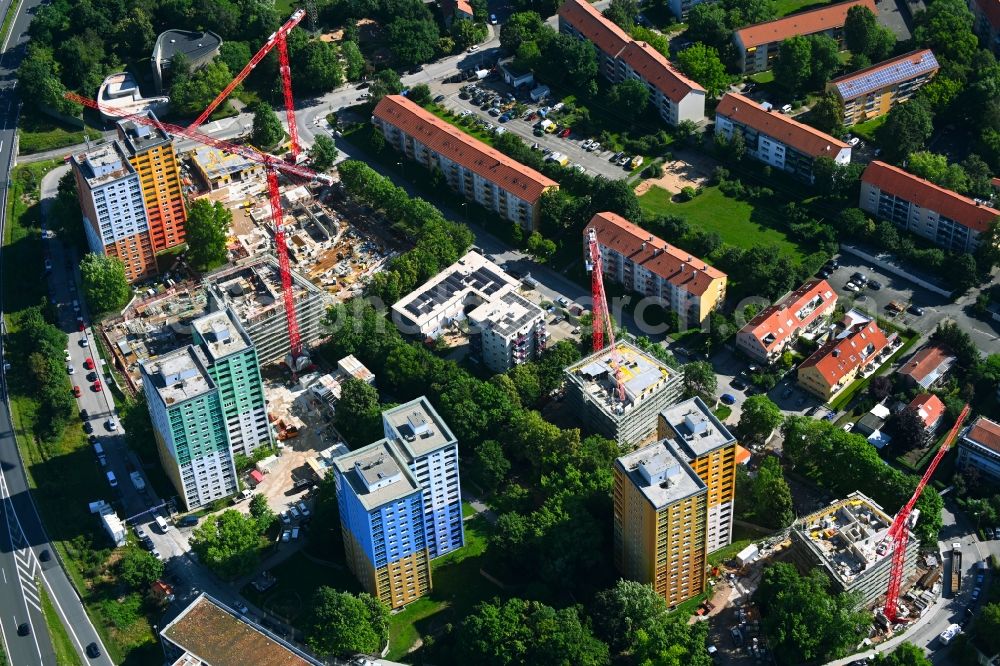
(162, 524)
(99, 450)
(112, 481)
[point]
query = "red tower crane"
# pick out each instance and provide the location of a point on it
(279, 39)
(601, 316)
(898, 531)
(273, 165)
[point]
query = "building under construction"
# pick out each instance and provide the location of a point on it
(252, 290)
(848, 540)
(650, 386)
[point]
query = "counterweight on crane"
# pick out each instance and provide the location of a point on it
(898, 535)
(600, 314)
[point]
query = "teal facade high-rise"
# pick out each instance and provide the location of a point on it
(232, 363)
(206, 403)
(189, 426)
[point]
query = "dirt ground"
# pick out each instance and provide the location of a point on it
(677, 174)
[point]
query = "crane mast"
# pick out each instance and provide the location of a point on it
(898, 533)
(601, 316)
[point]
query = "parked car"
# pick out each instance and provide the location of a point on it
(786, 109)
(295, 532)
(286, 536)
(850, 286)
(303, 509)
(439, 99)
(874, 284)
(849, 426)
(187, 521)
(728, 399)
(738, 384)
(89, 364)
(916, 310)
(76, 391)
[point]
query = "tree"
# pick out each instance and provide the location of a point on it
(707, 24)
(527, 632)
(793, 67)
(139, 568)
(622, 612)
(909, 430)
(323, 153)
(702, 63)
(988, 253)
(38, 82)
(261, 512)
(630, 98)
(623, 13)
(770, 496)
(104, 283)
(228, 543)
(357, 416)
(354, 62)
(189, 94)
(316, 66)
(568, 59)
(267, 130)
(864, 36)
(412, 40)
(759, 418)
(386, 82)
(825, 60)
(745, 12)
(341, 624)
(491, 465)
(419, 94)
(802, 620)
(988, 627)
(466, 33)
(935, 168)
(906, 128)
(827, 115)
(946, 28)
(207, 229)
(908, 654)
(235, 54)
(700, 380)
(519, 28)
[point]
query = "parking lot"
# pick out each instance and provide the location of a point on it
(593, 163)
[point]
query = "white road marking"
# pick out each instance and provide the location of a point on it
(9, 510)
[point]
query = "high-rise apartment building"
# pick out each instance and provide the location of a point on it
(507, 331)
(189, 425)
(430, 452)
(704, 443)
(660, 512)
(382, 514)
(114, 213)
(233, 365)
(151, 153)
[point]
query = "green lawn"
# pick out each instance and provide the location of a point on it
(723, 412)
(763, 77)
(458, 587)
(866, 130)
(786, 7)
(66, 654)
(38, 132)
(739, 223)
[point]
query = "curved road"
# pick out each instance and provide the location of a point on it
(22, 535)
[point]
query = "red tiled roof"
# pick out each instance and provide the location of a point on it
(448, 7)
(780, 320)
(589, 22)
(441, 137)
(924, 362)
(644, 249)
(656, 70)
(929, 406)
(927, 195)
(991, 10)
(742, 455)
(799, 136)
(804, 23)
(985, 432)
(840, 356)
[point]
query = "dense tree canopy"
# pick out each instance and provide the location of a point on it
(139, 568)
(358, 415)
(703, 64)
(758, 419)
(323, 153)
(103, 280)
(907, 127)
(527, 632)
(228, 543)
(342, 624)
(191, 93)
(267, 129)
(700, 380)
(863, 35)
(765, 498)
(207, 229)
(803, 620)
(630, 98)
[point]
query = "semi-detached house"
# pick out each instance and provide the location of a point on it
(675, 97)
(757, 44)
(942, 216)
(476, 171)
(775, 328)
(775, 139)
